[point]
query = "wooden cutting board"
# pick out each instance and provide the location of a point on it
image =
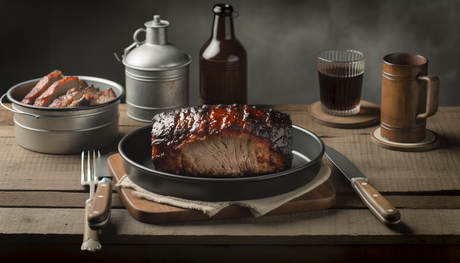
(146, 211)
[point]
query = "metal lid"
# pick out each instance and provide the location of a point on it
(155, 53)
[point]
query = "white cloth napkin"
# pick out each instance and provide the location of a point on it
(258, 207)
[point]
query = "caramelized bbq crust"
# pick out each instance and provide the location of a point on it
(222, 141)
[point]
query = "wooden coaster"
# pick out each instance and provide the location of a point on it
(368, 115)
(431, 140)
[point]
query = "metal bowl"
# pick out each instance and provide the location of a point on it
(65, 130)
(136, 152)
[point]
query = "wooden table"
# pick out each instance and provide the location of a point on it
(42, 200)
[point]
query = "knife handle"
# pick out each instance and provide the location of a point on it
(90, 237)
(378, 204)
(99, 213)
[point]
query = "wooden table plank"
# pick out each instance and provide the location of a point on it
(26, 170)
(60, 199)
(50, 199)
(332, 226)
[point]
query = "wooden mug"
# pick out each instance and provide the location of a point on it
(406, 101)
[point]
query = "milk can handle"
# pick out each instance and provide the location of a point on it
(127, 50)
(135, 36)
(16, 111)
(133, 45)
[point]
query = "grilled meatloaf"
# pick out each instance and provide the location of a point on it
(222, 141)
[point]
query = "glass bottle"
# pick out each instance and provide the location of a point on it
(223, 62)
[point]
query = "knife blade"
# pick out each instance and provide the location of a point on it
(99, 213)
(378, 204)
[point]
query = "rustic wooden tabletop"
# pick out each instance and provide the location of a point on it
(42, 207)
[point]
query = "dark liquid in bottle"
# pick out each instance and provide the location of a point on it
(223, 83)
(223, 62)
(340, 93)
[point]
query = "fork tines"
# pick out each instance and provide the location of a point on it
(89, 178)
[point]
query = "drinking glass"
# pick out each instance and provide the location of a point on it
(341, 73)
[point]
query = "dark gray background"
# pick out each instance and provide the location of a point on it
(282, 39)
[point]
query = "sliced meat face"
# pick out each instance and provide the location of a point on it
(41, 86)
(58, 89)
(227, 156)
(66, 99)
(75, 97)
(222, 141)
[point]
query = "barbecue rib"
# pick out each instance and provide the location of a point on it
(58, 89)
(41, 86)
(72, 95)
(222, 141)
(78, 96)
(91, 98)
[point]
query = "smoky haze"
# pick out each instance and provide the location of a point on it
(282, 39)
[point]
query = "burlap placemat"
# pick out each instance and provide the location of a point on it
(258, 207)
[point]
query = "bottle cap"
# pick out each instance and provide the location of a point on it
(222, 9)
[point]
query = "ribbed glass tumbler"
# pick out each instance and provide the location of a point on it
(340, 73)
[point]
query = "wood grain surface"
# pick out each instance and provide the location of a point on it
(42, 204)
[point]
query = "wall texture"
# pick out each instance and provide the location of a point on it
(282, 39)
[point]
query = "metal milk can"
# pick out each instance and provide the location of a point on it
(157, 73)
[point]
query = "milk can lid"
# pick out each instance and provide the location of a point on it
(155, 53)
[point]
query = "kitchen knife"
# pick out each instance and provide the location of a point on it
(380, 206)
(99, 213)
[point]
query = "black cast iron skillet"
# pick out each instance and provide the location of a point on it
(136, 153)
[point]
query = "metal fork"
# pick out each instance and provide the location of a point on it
(90, 237)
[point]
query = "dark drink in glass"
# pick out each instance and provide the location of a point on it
(340, 75)
(339, 93)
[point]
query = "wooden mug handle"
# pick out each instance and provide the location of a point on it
(432, 97)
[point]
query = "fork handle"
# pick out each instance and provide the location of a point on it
(99, 214)
(90, 237)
